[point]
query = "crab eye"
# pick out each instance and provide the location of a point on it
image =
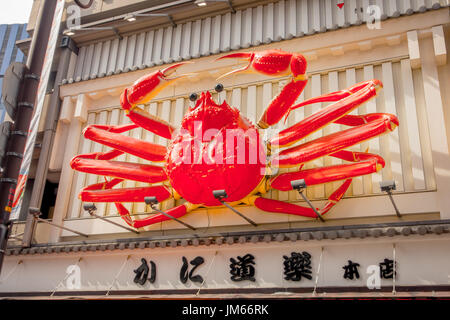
(193, 97)
(219, 87)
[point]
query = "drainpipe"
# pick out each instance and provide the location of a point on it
(22, 119)
(68, 48)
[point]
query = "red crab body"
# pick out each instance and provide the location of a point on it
(200, 158)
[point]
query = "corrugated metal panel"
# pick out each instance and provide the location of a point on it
(250, 27)
(9, 34)
(406, 150)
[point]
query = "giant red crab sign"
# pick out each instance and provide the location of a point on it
(203, 157)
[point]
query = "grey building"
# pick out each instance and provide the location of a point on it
(9, 34)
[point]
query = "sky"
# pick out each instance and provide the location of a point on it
(15, 11)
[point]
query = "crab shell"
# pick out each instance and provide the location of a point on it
(216, 148)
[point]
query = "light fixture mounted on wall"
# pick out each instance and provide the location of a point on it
(221, 195)
(133, 17)
(72, 31)
(91, 209)
(300, 185)
(36, 213)
(153, 201)
(387, 186)
(204, 3)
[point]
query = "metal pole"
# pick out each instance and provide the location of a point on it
(311, 205)
(393, 276)
(11, 272)
(112, 222)
(397, 212)
(61, 227)
(318, 272)
(240, 214)
(23, 117)
(47, 144)
(173, 218)
(207, 272)
(39, 104)
(118, 274)
(65, 278)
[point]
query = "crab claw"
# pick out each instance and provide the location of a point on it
(271, 63)
(147, 87)
(172, 69)
(240, 55)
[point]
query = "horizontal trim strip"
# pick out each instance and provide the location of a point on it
(399, 290)
(333, 232)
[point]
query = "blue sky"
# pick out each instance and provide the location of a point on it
(15, 11)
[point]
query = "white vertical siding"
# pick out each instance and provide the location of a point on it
(393, 138)
(374, 144)
(252, 26)
(402, 95)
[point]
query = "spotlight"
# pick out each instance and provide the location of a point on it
(200, 3)
(130, 17)
(34, 211)
(69, 32)
(89, 207)
(387, 186)
(203, 3)
(300, 185)
(222, 194)
(152, 201)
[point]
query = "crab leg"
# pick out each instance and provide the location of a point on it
(350, 100)
(141, 92)
(276, 63)
(374, 125)
(124, 194)
(365, 163)
(102, 192)
(110, 136)
(99, 163)
(280, 105)
(289, 208)
(338, 95)
(119, 169)
(176, 212)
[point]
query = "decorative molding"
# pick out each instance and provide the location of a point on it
(81, 108)
(413, 48)
(404, 229)
(440, 51)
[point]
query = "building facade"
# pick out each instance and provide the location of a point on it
(362, 248)
(9, 35)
